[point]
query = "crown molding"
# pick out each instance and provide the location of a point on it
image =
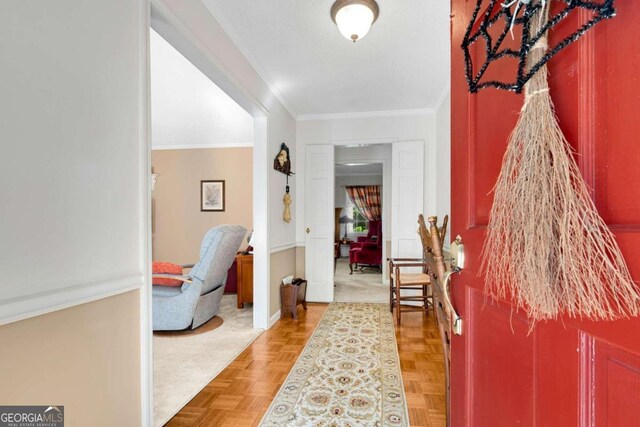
(366, 114)
(195, 146)
(235, 38)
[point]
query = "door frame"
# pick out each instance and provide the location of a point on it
(170, 27)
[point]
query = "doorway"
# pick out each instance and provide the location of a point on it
(403, 174)
(202, 163)
(255, 175)
(359, 227)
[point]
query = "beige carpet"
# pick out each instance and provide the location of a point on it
(184, 365)
(347, 375)
(365, 286)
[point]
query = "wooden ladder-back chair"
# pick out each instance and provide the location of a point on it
(408, 285)
(436, 263)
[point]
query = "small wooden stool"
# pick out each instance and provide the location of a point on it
(292, 295)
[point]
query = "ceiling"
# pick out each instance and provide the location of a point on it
(358, 169)
(187, 109)
(402, 64)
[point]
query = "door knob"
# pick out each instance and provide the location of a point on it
(457, 253)
(308, 230)
(457, 264)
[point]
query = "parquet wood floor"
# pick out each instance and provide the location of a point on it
(242, 393)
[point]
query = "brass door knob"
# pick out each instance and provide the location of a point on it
(308, 230)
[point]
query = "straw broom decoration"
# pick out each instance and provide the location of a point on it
(546, 247)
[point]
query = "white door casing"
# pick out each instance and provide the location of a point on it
(319, 222)
(407, 197)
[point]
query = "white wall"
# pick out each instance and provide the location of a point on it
(74, 185)
(443, 165)
(369, 130)
(187, 109)
(72, 149)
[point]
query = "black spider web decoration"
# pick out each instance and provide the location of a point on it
(525, 12)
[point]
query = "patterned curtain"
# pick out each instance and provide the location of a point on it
(367, 200)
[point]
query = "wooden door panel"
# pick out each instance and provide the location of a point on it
(569, 371)
(557, 353)
(616, 59)
(487, 138)
(616, 386)
(502, 392)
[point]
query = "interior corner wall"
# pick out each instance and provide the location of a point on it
(178, 224)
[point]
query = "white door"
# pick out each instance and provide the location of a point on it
(319, 218)
(407, 195)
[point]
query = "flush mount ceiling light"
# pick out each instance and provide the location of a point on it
(354, 17)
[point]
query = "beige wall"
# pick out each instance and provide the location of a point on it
(86, 358)
(300, 267)
(283, 264)
(178, 223)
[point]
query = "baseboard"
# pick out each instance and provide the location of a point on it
(273, 319)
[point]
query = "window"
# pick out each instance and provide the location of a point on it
(360, 225)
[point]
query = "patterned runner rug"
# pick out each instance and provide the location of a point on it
(347, 375)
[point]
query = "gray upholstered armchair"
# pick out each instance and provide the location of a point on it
(198, 299)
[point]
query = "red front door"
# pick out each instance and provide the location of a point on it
(566, 372)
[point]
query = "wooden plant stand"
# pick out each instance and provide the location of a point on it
(292, 295)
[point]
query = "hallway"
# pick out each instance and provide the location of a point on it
(361, 286)
(241, 394)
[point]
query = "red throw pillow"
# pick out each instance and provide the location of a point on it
(166, 268)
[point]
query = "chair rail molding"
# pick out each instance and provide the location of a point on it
(24, 307)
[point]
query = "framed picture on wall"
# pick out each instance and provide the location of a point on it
(212, 196)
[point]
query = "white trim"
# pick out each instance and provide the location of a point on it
(145, 188)
(282, 248)
(20, 308)
(300, 244)
(356, 143)
(441, 98)
(273, 319)
(171, 28)
(359, 174)
(233, 35)
(366, 114)
(195, 146)
(261, 223)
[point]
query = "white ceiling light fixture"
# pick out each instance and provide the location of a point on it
(354, 17)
